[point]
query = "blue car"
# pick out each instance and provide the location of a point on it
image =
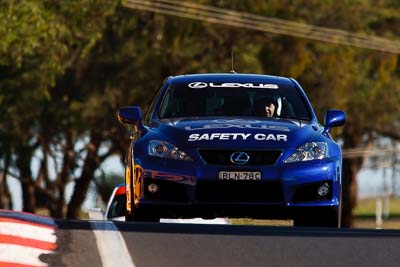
(233, 145)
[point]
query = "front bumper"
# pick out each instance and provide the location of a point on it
(190, 191)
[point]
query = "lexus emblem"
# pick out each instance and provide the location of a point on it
(198, 85)
(240, 157)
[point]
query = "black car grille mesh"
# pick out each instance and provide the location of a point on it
(222, 156)
(240, 191)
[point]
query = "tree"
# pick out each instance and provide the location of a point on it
(40, 39)
(347, 78)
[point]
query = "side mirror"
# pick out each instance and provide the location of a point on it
(334, 118)
(130, 115)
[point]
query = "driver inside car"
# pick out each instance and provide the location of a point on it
(266, 107)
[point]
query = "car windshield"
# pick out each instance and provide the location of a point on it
(200, 99)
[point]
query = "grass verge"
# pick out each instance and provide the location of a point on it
(364, 216)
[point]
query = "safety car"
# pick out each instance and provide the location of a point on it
(206, 147)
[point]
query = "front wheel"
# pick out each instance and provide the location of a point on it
(321, 217)
(140, 215)
(134, 213)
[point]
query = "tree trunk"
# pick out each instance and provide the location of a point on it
(351, 167)
(28, 195)
(24, 157)
(5, 196)
(67, 167)
(92, 162)
(352, 137)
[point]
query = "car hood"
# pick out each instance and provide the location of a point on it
(269, 133)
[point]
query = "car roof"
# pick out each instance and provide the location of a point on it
(231, 77)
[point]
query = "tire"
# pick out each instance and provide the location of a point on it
(322, 217)
(138, 215)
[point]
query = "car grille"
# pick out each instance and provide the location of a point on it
(222, 156)
(240, 191)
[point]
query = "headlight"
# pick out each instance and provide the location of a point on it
(309, 151)
(164, 149)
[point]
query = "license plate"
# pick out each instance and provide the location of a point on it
(239, 175)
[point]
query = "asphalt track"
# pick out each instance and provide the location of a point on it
(172, 244)
(31, 240)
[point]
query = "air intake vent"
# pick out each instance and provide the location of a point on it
(240, 191)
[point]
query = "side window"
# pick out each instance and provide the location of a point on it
(287, 109)
(149, 110)
(169, 107)
(117, 207)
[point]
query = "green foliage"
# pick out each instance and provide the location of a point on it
(31, 47)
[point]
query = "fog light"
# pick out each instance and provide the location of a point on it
(152, 188)
(323, 190)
